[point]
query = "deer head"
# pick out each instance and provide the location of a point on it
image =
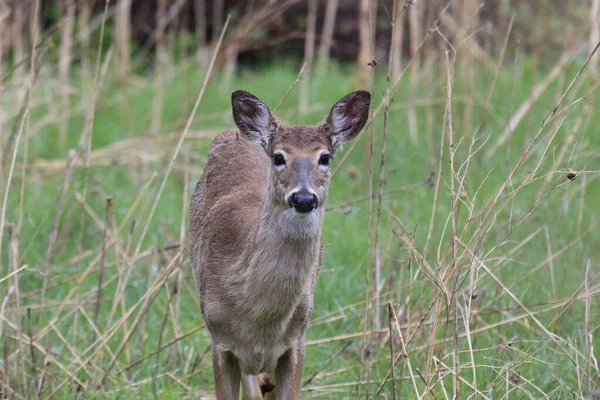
(300, 155)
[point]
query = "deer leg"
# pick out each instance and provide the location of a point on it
(288, 374)
(251, 387)
(227, 375)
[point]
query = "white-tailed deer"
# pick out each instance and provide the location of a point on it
(255, 241)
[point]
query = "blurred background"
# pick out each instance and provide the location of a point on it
(266, 30)
(461, 239)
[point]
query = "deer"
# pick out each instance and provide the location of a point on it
(255, 241)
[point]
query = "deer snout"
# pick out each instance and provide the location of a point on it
(303, 201)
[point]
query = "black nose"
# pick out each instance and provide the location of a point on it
(303, 201)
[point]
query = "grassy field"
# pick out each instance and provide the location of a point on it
(97, 296)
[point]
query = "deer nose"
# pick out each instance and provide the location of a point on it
(303, 201)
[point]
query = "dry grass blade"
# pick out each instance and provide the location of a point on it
(6, 277)
(392, 354)
(393, 89)
(377, 286)
(488, 100)
(326, 363)
(404, 353)
(285, 96)
(109, 205)
(557, 340)
(182, 138)
(483, 260)
(166, 345)
(72, 159)
(348, 203)
(535, 95)
(370, 286)
(453, 215)
(9, 180)
(587, 331)
(147, 299)
(169, 167)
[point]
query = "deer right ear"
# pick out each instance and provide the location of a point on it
(347, 117)
(253, 117)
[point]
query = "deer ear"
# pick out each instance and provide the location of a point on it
(253, 117)
(347, 117)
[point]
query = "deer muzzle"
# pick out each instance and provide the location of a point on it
(303, 201)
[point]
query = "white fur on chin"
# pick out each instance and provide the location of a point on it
(298, 224)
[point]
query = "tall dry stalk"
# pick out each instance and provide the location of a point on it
(107, 213)
(53, 235)
(253, 17)
(123, 37)
(15, 245)
(4, 31)
(371, 278)
(123, 50)
(85, 144)
(259, 18)
(367, 15)
(23, 122)
(488, 102)
(13, 260)
(594, 33)
(83, 35)
(397, 44)
(159, 194)
(467, 22)
(200, 27)
(523, 110)
(9, 179)
(164, 181)
(218, 10)
(392, 353)
(19, 35)
(327, 36)
(64, 67)
(454, 268)
(394, 18)
(161, 60)
(231, 57)
(309, 52)
(393, 88)
(415, 38)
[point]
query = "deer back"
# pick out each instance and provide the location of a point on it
(228, 197)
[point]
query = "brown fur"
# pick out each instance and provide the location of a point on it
(255, 259)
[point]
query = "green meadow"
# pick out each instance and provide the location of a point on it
(484, 239)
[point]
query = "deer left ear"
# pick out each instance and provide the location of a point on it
(253, 117)
(347, 117)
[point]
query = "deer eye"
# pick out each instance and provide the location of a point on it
(324, 159)
(278, 160)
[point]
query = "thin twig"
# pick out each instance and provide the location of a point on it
(107, 212)
(326, 363)
(392, 356)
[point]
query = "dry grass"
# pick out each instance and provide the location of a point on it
(486, 266)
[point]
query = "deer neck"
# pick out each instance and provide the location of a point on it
(282, 262)
(288, 225)
(287, 233)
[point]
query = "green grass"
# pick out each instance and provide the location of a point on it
(506, 340)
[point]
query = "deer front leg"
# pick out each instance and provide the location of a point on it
(251, 387)
(227, 375)
(288, 374)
